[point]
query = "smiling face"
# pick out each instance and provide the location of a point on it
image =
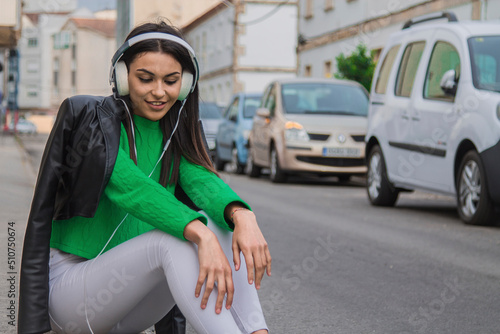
(154, 80)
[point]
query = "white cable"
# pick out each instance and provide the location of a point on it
(89, 263)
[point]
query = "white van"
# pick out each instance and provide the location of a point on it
(434, 115)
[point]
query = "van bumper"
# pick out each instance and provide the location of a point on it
(491, 163)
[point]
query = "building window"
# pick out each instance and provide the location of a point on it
(62, 40)
(328, 69)
(32, 42)
(32, 66)
(329, 5)
(56, 73)
(307, 71)
(31, 91)
(309, 9)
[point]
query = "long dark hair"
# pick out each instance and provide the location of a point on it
(187, 140)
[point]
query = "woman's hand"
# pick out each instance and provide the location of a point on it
(248, 239)
(214, 266)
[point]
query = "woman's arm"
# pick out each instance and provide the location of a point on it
(134, 192)
(248, 239)
(208, 192)
(214, 266)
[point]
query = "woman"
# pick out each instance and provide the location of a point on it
(123, 249)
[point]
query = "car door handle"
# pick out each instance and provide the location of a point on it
(416, 119)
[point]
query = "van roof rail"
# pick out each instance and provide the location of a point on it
(435, 16)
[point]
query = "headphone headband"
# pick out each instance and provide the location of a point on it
(154, 35)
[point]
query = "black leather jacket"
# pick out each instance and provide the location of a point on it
(76, 165)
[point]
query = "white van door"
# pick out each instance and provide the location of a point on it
(398, 155)
(434, 116)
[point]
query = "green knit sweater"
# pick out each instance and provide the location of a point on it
(149, 204)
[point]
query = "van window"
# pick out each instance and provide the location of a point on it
(385, 70)
(485, 62)
(444, 57)
(408, 68)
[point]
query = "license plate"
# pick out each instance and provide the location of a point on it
(341, 152)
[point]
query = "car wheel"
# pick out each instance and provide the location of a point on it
(218, 162)
(234, 164)
(251, 170)
(276, 173)
(473, 201)
(380, 191)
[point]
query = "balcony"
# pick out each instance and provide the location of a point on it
(10, 23)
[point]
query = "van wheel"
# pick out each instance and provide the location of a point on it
(380, 191)
(473, 201)
(251, 170)
(234, 164)
(277, 175)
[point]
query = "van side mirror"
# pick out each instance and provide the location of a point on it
(449, 82)
(263, 112)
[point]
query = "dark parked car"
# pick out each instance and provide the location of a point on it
(211, 118)
(232, 136)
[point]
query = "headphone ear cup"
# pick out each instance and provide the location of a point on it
(121, 78)
(186, 84)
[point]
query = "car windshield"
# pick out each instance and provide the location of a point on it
(251, 105)
(209, 111)
(324, 98)
(485, 62)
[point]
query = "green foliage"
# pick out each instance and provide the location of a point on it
(359, 66)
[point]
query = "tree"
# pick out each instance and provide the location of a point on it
(359, 66)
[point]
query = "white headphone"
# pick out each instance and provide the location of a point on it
(118, 74)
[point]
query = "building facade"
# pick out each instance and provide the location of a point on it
(81, 58)
(10, 32)
(328, 28)
(243, 45)
(178, 12)
(35, 50)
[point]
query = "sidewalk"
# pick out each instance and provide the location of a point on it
(17, 179)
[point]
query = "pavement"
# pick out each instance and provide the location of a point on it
(19, 161)
(17, 180)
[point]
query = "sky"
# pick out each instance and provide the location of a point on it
(95, 5)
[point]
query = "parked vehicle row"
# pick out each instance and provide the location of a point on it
(297, 126)
(431, 121)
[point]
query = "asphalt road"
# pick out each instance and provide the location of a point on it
(343, 266)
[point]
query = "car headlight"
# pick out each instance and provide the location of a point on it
(246, 134)
(295, 132)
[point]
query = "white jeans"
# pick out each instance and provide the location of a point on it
(132, 286)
